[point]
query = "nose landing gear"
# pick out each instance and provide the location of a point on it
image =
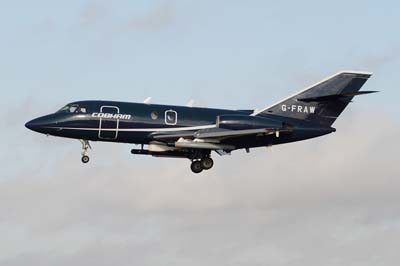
(85, 146)
(85, 159)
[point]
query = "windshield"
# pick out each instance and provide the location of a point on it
(73, 108)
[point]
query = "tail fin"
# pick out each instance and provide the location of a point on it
(322, 102)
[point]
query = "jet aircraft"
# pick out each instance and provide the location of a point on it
(193, 133)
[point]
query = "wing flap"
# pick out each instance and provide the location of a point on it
(213, 133)
(172, 136)
(224, 133)
(202, 144)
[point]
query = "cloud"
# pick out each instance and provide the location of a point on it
(101, 15)
(159, 19)
(93, 13)
(330, 201)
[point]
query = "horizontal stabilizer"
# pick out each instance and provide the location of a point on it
(334, 96)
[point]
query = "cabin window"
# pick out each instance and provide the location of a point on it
(154, 115)
(171, 117)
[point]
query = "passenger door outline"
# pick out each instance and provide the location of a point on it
(107, 132)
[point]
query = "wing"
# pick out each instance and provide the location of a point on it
(215, 133)
(211, 139)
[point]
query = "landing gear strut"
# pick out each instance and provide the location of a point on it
(198, 166)
(85, 146)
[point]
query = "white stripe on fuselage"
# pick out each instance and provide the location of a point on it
(141, 129)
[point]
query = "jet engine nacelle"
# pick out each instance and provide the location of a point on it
(242, 122)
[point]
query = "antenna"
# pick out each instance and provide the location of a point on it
(190, 103)
(147, 100)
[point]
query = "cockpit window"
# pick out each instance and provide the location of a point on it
(73, 108)
(64, 109)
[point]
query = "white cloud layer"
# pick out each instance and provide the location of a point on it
(328, 201)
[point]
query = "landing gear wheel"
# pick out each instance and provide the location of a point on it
(85, 159)
(207, 163)
(196, 167)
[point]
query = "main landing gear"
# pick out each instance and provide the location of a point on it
(198, 166)
(85, 146)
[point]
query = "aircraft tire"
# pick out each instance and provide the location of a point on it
(207, 163)
(196, 167)
(85, 159)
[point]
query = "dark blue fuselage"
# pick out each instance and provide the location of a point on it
(137, 123)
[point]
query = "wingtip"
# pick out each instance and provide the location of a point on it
(368, 92)
(362, 93)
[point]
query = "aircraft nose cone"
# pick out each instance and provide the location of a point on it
(33, 125)
(45, 124)
(28, 125)
(37, 124)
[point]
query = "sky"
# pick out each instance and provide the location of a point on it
(326, 201)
